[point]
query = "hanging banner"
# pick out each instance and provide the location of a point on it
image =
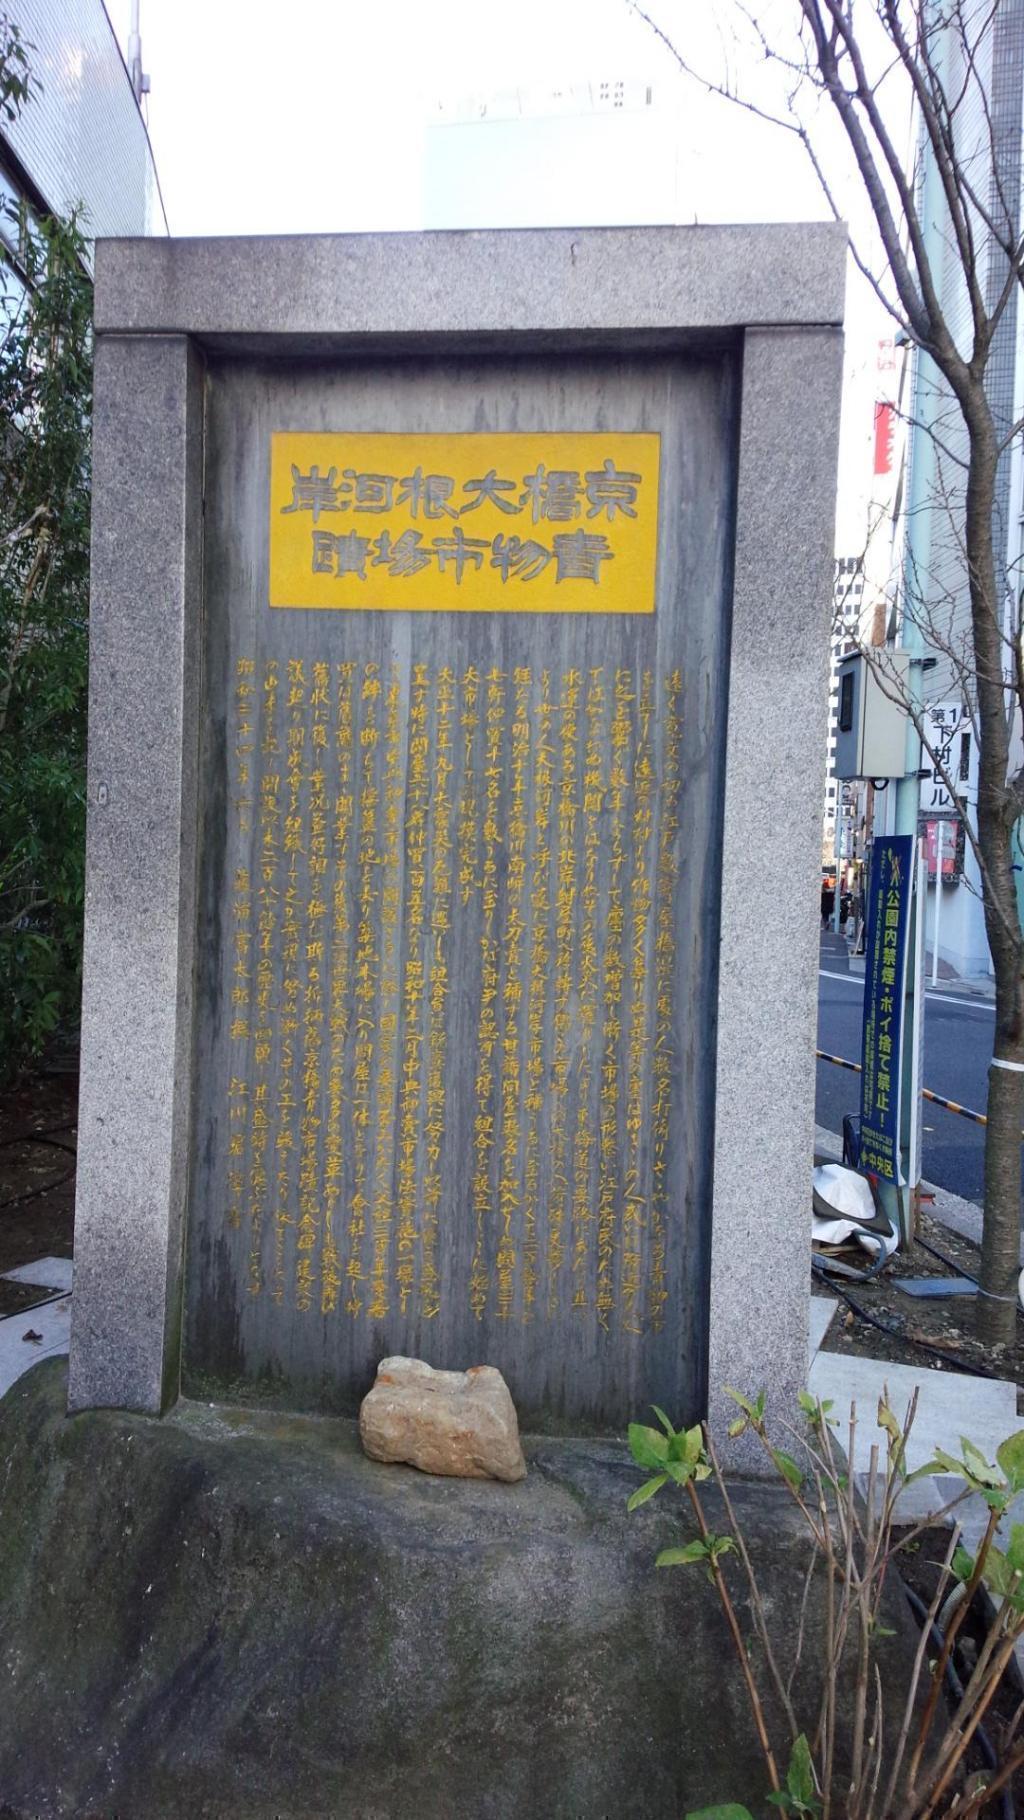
(944, 847)
(888, 918)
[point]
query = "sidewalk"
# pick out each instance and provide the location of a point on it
(835, 957)
(951, 1405)
(42, 1330)
(979, 986)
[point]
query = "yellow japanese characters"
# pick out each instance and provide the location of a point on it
(421, 849)
(503, 523)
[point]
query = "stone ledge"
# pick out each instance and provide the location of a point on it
(506, 281)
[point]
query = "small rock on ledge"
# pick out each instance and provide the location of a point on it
(459, 1423)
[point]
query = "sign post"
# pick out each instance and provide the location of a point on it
(914, 1017)
(890, 895)
(941, 839)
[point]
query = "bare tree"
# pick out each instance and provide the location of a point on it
(945, 255)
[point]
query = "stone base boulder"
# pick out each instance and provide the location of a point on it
(231, 1613)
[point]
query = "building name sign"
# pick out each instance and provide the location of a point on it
(946, 726)
(511, 522)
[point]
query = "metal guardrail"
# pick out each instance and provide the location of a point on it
(965, 1112)
(978, 1118)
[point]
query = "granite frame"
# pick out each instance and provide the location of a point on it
(159, 305)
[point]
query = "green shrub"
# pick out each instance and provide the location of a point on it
(45, 399)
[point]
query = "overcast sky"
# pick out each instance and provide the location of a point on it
(272, 118)
(338, 116)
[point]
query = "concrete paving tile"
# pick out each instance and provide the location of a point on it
(17, 1355)
(822, 1310)
(972, 1517)
(46, 1273)
(949, 1404)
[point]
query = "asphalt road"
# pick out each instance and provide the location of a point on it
(957, 1050)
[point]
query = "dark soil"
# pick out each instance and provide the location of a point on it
(38, 1130)
(919, 1565)
(937, 1335)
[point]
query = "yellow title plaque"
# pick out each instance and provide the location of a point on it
(509, 523)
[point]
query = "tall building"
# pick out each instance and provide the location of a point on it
(987, 78)
(847, 598)
(81, 139)
(863, 586)
(586, 154)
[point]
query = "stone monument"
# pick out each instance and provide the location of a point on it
(459, 639)
(457, 708)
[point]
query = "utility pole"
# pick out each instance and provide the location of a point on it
(906, 810)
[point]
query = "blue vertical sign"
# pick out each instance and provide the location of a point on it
(892, 864)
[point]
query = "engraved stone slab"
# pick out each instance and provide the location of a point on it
(458, 877)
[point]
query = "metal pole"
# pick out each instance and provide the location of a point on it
(938, 903)
(906, 811)
(912, 1037)
(916, 562)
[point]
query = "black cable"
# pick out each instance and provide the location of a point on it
(42, 1136)
(905, 1339)
(47, 1143)
(46, 1301)
(53, 1143)
(819, 1268)
(951, 1263)
(32, 1194)
(956, 1687)
(847, 1273)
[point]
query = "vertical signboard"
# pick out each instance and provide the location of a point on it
(944, 850)
(948, 736)
(888, 917)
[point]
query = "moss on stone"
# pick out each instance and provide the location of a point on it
(233, 1612)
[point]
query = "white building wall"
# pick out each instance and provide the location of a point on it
(592, 154)
(847, 598)
(935, 582)
(82, 139)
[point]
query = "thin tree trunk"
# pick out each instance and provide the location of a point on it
(1000, 1245)
(996, 1310)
